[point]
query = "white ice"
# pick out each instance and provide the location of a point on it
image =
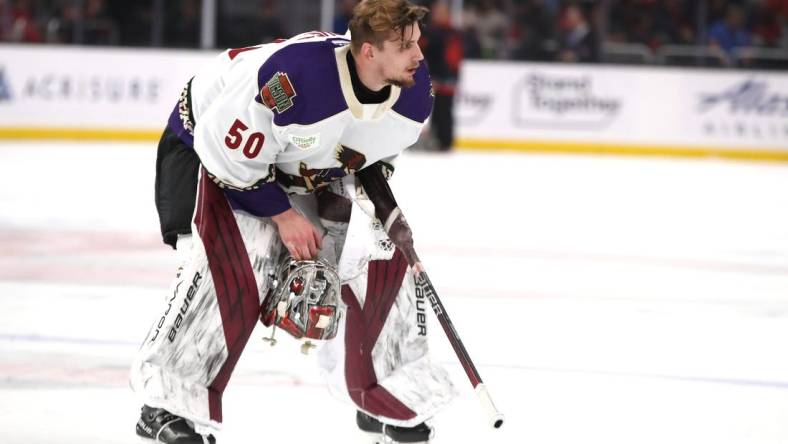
(603, 299)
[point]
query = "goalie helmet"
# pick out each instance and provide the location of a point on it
(303, 299)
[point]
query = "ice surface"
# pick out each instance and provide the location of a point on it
(603, 299)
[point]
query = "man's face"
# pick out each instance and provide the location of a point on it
(400, 56)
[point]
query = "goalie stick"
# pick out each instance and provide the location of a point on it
(377, 188)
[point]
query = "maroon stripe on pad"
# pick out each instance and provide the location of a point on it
(363, 327)
(233, 280)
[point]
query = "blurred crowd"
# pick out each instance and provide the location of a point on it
(548, 30)
(743, 33)
(540, 30)
(158, 23)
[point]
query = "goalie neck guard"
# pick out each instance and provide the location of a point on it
(303, 299)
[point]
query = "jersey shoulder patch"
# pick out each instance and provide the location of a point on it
(415, 102)
(300, 83)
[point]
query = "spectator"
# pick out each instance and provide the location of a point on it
(674, 23)
(442, 48)
(244, 30)
(643, 29)
(135, 21)
(729, 33)
(780, 10)
(780, 7)
(553, 7)
(490, 25)
(342, 17)
(533, 31)
(652, 23)
(269, 22)
(61, 27)
(183, 31)
(5, 20)
(99, 27)
(22, 27)
(623, 14)
(577, 41)
(89, 25)
(472, 49)
(764, 24)
(716, 10)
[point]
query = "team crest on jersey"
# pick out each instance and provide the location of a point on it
(278, 93)
(311, 179)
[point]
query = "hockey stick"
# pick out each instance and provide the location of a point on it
(496, 417)
(379, 192)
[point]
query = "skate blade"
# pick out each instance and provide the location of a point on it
(371, 437)
(387, 440)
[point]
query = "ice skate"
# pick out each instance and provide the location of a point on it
(164, 427)
(379, 433)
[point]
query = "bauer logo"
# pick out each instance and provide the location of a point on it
(565, 101)
(421, 313)
(181, 315)
(430, 294)
(5, 88)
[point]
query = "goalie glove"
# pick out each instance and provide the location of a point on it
(377, 189)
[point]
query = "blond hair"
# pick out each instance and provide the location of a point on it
(373, 21)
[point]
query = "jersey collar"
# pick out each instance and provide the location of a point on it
(345, 83)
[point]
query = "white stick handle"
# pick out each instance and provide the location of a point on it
(496, 417)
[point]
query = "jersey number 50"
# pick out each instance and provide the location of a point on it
(234, 138)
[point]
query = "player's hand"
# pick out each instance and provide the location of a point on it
(299, 236)
(400, 234)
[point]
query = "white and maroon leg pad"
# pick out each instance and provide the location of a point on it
(193, 346)
(380, 358)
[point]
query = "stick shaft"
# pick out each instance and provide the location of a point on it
(448, 328)
(379, 192)
(495, 418)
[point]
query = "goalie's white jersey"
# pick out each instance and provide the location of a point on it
(284, 116)
(286, 112)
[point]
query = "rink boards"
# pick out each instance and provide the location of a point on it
(67, 92)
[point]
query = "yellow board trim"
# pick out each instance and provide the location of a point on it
(543, 146)
(619, 148)
(87, 134)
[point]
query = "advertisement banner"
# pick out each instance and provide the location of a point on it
(583, 107)
(68, 89)
(115, 93)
